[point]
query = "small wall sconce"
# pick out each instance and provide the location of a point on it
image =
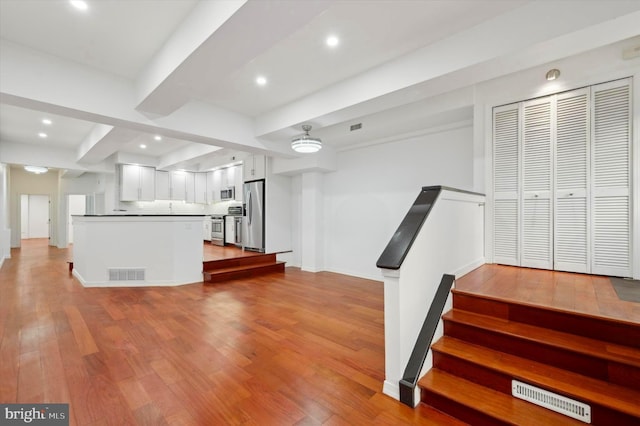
(553, 74)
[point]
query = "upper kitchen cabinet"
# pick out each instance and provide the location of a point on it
(200, 188)
(214, 185)
(163, 185)
(178, 186)
(238, 182)
(137, 183)
(254, 167)
(190, 187)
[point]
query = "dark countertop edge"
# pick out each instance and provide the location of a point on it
(141, 215)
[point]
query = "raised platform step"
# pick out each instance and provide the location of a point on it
(241, 267)
(589, 357)
(610, 403)
(479, 405)
(606, 329)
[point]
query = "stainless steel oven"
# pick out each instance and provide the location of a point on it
(217, 230)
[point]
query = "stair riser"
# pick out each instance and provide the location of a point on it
(582, 325)
(457, 410)
(247, 273)
(598, 368)
(238, 261)
(502, 382)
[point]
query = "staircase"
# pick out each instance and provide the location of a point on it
(488, 342)
(215, 271)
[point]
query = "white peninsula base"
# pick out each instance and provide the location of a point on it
(136, 251)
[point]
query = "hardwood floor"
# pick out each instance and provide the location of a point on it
(301, 348)
(213, 252)
(587, 294)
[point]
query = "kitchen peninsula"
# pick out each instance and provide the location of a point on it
(137, 250)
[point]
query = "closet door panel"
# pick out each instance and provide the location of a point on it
(571, 232)
(537, 137)
(611, 165)
(506, 131)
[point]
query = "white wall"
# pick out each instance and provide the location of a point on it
(373, 188)
(5, 232)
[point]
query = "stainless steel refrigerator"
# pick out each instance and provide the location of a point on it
(253, 220)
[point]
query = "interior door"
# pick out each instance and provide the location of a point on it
(38, 216)
(611, 189)
(537, 137)
(572, 153)
(506, 131)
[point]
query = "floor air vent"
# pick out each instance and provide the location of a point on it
(552, 401)
(126, 274)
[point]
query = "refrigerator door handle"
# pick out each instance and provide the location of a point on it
(250, 212)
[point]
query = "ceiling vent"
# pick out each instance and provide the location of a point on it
(355, 127)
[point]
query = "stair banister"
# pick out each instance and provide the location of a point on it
(442, 233)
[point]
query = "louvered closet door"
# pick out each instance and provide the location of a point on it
(611, 178)
(571, 236)
(536, 220)
(506, 130)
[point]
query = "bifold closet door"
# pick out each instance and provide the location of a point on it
(537, 208)
(611, 175)
(571, 231)
(506, 143)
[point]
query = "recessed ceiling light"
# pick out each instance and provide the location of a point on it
(332, 41)
(261, 81)
(42, 135)
(46, 121)
(79, 4)
(157, 137)
(143, 146)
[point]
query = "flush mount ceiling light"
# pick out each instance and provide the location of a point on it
(46, 122)
(157, 137)
(36, 169)
(79, 4)
(332, 41)
(261, 81)
(143, 146)
(42, 135)
(305, 143)
(553, 74)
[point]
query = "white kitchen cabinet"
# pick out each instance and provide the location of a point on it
(238, 183)
(229, 177)
(137, 183)
(178, 186)
(214, 185)
(206, 229)
(163, 185)
(254, 167)
(230, 230)
(190, 187)
(200, 188)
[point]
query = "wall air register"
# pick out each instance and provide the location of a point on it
(552, 401)
(126, 274)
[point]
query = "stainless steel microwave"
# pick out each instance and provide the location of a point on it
(228, 194)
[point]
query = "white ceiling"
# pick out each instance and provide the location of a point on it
(112, 77)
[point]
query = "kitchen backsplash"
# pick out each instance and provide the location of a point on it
(174, 207)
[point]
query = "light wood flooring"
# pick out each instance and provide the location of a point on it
(301, 348)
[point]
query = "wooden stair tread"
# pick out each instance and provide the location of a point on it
(571, 384)
(491, 402)
(584, 345)
(235, 261)
(242, 267)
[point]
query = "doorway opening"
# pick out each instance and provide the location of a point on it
(34, 216)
